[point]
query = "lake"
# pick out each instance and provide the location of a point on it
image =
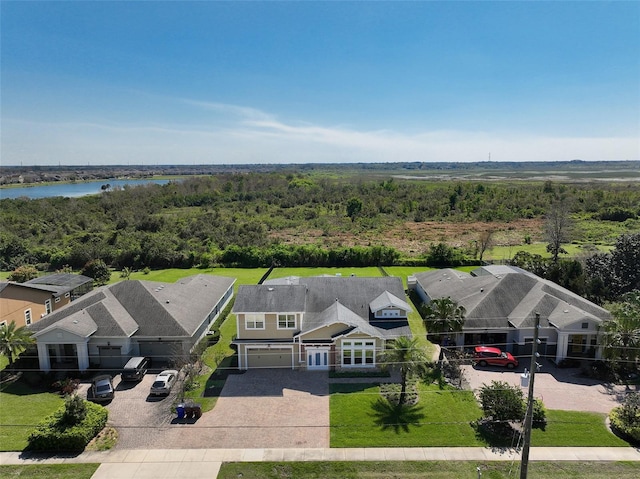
(70, 189)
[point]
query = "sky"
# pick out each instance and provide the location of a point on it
(150, 82)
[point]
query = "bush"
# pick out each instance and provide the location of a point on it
(54, 434)
(626, 418)
(66, 386)
(539, 414)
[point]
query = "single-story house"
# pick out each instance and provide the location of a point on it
(25, 303)
(501, 303)
(318, 323)
(106, 327)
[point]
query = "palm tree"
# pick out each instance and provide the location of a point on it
(443, 315)
(407, 355)
(14, 340)
(621, 334)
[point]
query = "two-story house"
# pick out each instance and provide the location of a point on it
(25, 303)
(318, 323)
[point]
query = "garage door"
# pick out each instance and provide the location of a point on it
(269, 358)
(110, 357)
(162, 352)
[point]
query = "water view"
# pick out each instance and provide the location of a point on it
(70, 189)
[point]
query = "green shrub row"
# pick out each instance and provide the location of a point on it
(629, 429)
(54, 434)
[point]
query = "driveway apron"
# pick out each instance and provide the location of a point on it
(268, 408)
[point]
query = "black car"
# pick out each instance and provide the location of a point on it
(101, 389)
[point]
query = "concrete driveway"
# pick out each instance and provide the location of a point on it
(558, 388)
(269, 408)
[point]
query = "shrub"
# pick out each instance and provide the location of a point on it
(75, 410)
(66, 385)
(54, 434)
(539, 415)
(626, 418)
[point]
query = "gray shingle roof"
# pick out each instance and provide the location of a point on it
(509, 299)
(144, 308)
(386, 299)
(270, 298)
(64, 280)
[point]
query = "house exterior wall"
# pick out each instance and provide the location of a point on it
(270, 330)
(390, 313)
(15, 300)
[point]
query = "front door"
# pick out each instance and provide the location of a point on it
(318, 358)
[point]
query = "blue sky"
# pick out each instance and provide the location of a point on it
(297, 82)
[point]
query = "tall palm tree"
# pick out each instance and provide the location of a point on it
(443, 315)
(14, 340)
(621, 334)
(405, 354)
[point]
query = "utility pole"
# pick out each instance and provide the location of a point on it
(528, 418)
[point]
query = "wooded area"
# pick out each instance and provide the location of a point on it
(298, 219)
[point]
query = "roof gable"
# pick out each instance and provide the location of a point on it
(388, 300)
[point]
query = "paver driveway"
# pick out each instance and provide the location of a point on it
(558, 388)
(270, 408)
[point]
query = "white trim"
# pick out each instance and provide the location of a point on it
(57, 299)
(243, 359)
(66, 295)
(48, 307)
(311, 352)
(287, 317)
(254, 318)
(28, 318)
(367, 346)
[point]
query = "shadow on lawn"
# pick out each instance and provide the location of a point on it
(398, 418)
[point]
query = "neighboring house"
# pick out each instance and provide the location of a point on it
(318, 323)
(501, 303)
(25, 303)
(106, 327)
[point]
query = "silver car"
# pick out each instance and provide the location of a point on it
(101, 389)
(164, 382)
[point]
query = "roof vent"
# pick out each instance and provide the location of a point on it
(482, 290)
(75, 321)
(167, 301)
(269, 289)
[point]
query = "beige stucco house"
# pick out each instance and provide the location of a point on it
(318, 323)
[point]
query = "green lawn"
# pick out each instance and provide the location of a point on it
(361, 418)
(508, 252)
(304, 272)
(21, 409)
(426, 469)
(243, 275)
(50, 471)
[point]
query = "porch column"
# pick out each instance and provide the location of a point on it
(83, 356)
(43, 357)
(563, 343)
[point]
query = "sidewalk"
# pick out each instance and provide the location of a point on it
(205, 463)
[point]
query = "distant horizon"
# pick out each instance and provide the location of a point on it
(269, 83)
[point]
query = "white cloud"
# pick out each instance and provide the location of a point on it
(249, 135)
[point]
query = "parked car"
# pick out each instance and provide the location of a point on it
(101, 389)
(485, 355)
(135, 369)
(164, 382)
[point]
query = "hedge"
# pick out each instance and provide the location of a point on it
(630, 431)
(53, 434)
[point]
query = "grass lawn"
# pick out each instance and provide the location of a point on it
(573, 428)
(50, 471)
(21, 409)
(508, 252)
(243, 275)
(361, 418)
(217, 357)
(426, 469)
(304, 272)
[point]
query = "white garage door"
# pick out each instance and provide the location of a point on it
(110, 357)
(269, 358)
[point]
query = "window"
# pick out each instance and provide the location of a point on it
(66, 295)
(27, 317)
(253, 321)
(286, 321)
(585, 325)
(57, 299)
(358, 353)
(3, 323)
(47, 306)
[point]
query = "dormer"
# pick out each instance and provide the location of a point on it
(389, 306)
